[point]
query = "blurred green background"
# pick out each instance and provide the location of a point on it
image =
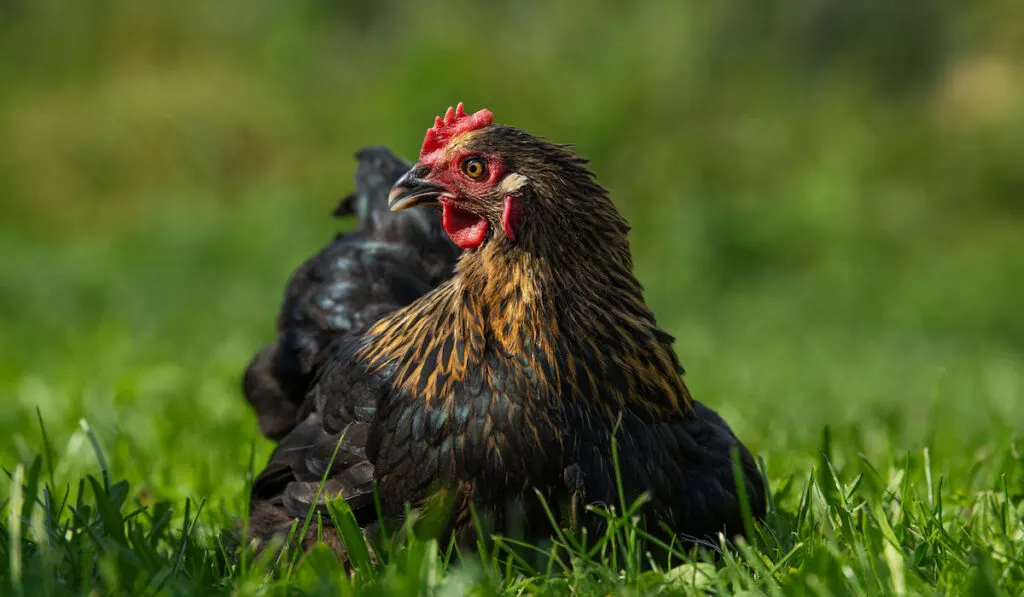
(827, 201)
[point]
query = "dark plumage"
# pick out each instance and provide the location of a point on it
(388, 261)
(512, 375)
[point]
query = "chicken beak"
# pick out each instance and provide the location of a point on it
(412, 190)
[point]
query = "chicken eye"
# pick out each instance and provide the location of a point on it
(474, 168)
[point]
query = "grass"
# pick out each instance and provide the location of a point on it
(826, 213)
(879, 533)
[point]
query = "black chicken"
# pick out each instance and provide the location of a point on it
(510, 377)
(388, 261)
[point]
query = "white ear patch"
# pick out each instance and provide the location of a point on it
(512, 183)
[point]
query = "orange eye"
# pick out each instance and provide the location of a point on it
(474, 168)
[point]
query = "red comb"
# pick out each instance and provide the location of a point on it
(455, 122)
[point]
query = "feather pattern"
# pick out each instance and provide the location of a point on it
(511, 377)
(388, 261)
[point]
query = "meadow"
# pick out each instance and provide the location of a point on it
(827, 203)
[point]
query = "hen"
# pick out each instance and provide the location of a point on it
(388, 261)
(508, 379)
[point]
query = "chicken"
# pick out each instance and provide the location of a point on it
(389, 260)
(509, 379)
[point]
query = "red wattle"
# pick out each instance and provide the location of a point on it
(466, 229)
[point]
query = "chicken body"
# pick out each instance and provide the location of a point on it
(388, 261)
(510, 378)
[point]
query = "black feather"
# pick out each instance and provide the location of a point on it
(388, 260)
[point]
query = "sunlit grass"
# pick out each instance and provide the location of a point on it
(891, 532)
